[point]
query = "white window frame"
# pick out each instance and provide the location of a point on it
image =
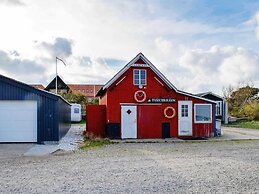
(210, 121)
(184, 110)
(220, 108)
(139, 70)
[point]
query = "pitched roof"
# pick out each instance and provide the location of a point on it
(38, 86)
(31, 88)
(61, 84)
(152, 67)
(211, 93)
(127, 66)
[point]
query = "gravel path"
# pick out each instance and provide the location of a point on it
(209, 167)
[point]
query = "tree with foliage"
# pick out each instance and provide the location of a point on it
(243, 101)
(73, 97)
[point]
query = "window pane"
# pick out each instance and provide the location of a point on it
(136, 72)
(203, 113)
(139, 77)
(186, 110)
(143, 82)
(136, 81)
(136, 77)
(218, 108)
(76, 110)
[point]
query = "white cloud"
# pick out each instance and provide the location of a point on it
(96, 30)
(220, 66)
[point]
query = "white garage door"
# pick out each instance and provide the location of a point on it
(18, 121)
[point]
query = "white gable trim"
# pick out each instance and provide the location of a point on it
(132, 63)
(152, 67)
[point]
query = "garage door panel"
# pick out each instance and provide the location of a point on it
(26, 125)
(10, 115)
(18, 121)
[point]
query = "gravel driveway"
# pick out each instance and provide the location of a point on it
(208, 167)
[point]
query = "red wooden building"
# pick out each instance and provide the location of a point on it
(140, 102)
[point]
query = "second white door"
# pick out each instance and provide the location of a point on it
(185, 118)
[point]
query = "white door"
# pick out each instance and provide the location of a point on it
(18, 121)
(128, 122)
(185, 118)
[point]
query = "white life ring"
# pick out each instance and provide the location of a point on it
(169, 116)
(140, 96)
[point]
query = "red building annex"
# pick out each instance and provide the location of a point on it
(140, 102)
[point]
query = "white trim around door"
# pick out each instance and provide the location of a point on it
(128, 122)
(184, 118)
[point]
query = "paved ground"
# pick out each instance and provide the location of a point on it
(13, 150)
(239, 133)
(70, 142)
(73, 138)
(161, 166)
(207, 167)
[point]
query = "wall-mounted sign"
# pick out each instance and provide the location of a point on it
(161, 100)
(139, 65)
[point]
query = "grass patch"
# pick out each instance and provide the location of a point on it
(94, 143)
(82, 122)
(244, 124)
(91, 142)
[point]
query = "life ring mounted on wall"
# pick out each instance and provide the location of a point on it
(171, 109)
(140, 96)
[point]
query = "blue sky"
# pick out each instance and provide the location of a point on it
(200, 45)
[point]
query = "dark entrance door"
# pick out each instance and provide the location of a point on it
(165, 130)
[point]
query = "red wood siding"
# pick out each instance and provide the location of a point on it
(96, 120)
(150, 117)
(199, 129)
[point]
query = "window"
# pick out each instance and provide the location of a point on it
(140, 77)
(203, 113)
(87, 90)
(91, 91)
(184, 110)
(219, 108)
(76, 110)
(83, 90)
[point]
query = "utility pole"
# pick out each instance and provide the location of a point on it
(57, 72)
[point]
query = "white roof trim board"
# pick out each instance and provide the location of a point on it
(152, 67)
(211, 93)
(194, 96)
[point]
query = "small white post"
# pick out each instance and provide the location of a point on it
(56, 76)
(226, 113)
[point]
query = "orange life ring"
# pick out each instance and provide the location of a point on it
(140, 93)
(169, 116)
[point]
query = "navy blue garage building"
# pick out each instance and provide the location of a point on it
(28, 114)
